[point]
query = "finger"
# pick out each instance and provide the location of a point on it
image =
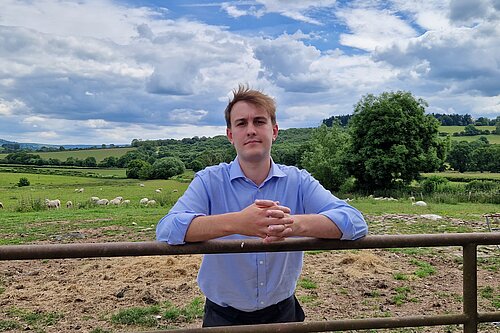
(264, 203)
(287, 220)
(277, 214)
(284, 209)
(271, 239)
(274, 228)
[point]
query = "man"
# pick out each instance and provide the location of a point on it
(252, 197)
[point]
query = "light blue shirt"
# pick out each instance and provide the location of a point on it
(252, 281)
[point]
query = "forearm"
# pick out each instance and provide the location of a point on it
(203, 228)
(315, 225)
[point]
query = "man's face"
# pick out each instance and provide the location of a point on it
(252, 132)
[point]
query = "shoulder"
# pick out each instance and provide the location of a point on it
(214, 171)
(294, 172)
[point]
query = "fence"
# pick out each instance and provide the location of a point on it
(470, 318)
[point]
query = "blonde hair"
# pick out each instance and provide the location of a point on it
(255, 97)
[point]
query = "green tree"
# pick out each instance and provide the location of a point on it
(460, 156)
(325, 157)
(90, 162)
(167, 167)
(392, 141)
(109, 162)
(134, 168)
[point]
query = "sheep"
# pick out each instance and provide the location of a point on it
(1, 205)
(116, 201)
(69, 204)
(144, 201)
(151, 202)
(158, 190)
(141, 185)
(79, 190)
(53, 203)
(102, 202)
(125, 202)
(94, 199)
(175, 190)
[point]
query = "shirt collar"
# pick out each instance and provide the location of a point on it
(236, 172)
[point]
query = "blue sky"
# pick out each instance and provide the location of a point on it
(102, 71)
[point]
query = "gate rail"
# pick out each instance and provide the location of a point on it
(470, 318)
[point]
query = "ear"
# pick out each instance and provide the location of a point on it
(275, 131)
(229, 135)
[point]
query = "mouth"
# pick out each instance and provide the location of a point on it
(251, 142)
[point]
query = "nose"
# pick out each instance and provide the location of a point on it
(251, 130)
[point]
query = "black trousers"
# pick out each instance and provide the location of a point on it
(288, 310)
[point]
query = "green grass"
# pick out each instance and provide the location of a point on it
(99, 154)
(35, 319)
(157, 315)
(492, 138)
(307, 284)
(465, 176)
(457, 129)
(424, 268)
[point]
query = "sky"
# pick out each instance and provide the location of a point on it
(107, 72)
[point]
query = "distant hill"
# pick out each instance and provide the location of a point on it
(36, 146)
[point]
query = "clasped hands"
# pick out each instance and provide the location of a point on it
(268, 220)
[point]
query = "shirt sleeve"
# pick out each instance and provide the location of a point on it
(194, 202)
(318, 200)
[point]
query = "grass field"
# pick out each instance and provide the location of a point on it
(99, 154)
(456, 129)
(492, 139)
(467, 176)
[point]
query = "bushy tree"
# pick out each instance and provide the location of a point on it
(325, 157)
(167, 167)
(138, 169)
(393, 140)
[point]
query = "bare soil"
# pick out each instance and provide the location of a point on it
(349, 284)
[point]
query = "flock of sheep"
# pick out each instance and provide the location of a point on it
(56, 203)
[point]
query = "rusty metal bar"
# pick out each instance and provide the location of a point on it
(124, 249)
(470, 287)
(337, 325)
(469, 241)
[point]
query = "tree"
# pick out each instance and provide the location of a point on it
(460, 156)
(90, 162)
(138, 169)
(325, 157)
(392, 141)
(167, 167)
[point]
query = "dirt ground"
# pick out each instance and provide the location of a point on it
(349, 284)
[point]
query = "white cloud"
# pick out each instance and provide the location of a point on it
(373, 28)
(99, 72)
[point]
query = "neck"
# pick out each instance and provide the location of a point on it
(256, 171)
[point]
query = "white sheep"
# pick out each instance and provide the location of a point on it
(79, 190)
(1, 205)
(94, 199)
(125, 202)
(141, 185)
(102, 202)
(53, 203)
(151, 202)
(175, 190)
(116, 201)
(158, 190)
(144, 201)
(69, 204)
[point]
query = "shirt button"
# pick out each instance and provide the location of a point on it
(262, 283)
(261, 302)
(261, 262)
